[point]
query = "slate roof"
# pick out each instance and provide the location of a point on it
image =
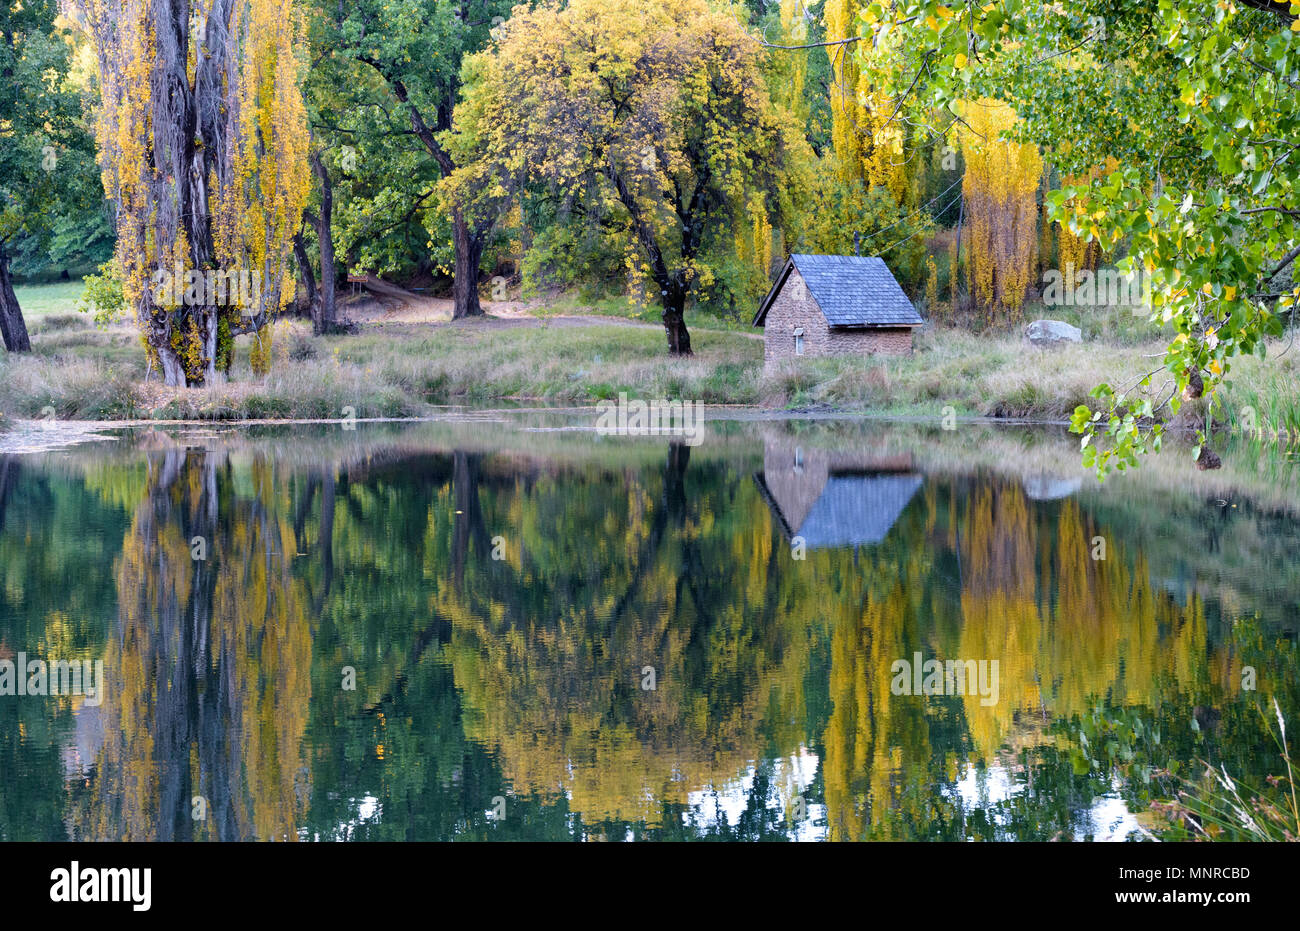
(852, 510)
(858, 509)
(852, 291)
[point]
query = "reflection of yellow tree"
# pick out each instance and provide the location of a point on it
(1000, 618)
(875, 741)
(877, 764)
(262, 627)
(558, 694)
(207, 678)
(1067, 628)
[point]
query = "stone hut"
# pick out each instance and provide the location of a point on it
(827, 305)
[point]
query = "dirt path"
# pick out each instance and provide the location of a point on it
(379, 303)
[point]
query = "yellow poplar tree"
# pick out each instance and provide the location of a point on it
(794, 30)
(931, 287)
(202, 135)
(1000, 186)
(847, 115)
(868, 144)
(754, 240)
(1077, 253)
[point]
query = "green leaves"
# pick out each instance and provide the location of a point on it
(51, 200)
(1198, 106)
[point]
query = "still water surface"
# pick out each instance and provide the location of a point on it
(487, 631)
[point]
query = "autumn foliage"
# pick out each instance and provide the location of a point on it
(652, 119)
(1002, 179)
(203, 146)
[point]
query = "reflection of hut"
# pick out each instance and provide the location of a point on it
(833, 498)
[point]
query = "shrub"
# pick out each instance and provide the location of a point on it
(301, 347)
(56, 322)
(103, 298)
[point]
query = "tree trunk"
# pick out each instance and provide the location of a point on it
(465, 495)
(12, 327)
(308, 276)
(671, 287)
(209, 319)
(679, 340)
(325, 312)
(173, 371)
(675, 500)
(468, 243)
(178, 182)
(464, 289)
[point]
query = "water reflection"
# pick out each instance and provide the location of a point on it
(832, 498)
(401, 639)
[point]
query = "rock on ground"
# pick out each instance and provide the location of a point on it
(1052, 332)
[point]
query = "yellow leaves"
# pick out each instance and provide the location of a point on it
(959, 60)
(1002, 179)
(260, 355)
(847, 111)
(754, 244)
(630, 118)
(1230, 292)
(868, 145)
(254, 197)
(1216, 367)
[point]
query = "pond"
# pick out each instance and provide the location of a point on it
(504, 627)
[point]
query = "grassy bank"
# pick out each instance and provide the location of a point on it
(403, 370)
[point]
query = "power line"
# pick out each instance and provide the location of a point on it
(922, 208)
(910, 235)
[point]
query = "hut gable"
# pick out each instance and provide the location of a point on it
(836, 305)
(833, 499)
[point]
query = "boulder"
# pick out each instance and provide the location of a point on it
(1052, 332)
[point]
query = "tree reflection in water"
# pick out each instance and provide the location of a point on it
(523, 676)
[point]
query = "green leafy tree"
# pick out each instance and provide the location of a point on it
(399, 62)
(46, 167)
(1197, 105)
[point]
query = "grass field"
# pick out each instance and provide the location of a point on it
(401, 370)
(41, 301)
